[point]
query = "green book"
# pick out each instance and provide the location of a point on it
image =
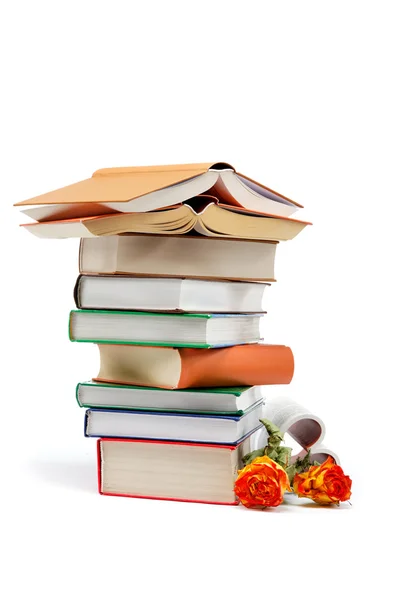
(225, 401)
(164, 329)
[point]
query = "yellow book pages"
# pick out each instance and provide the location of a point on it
(210, 219)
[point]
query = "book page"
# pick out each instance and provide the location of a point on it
(301, 424)
(318, 453)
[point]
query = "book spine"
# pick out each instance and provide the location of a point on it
(252, 364)
(76, 293)
(78, 387)
(99, 459)
(85, 424)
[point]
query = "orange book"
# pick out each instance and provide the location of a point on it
(142, 189)
(175, 368)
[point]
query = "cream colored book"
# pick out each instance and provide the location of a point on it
(165, 294)
(203, 215)
(178, 256)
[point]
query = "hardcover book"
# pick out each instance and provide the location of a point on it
(210, 429)
(122, 292)
(151, 366)
(178, 256)
(170, 470)
(160, 329)
(230, 401)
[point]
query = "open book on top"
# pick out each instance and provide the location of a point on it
(202, 214)
(143, 189)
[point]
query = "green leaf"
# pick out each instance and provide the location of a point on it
(291, 472)
(275, 436)
(303, 464)
(248, 458)
(284, 454)
(272, 453)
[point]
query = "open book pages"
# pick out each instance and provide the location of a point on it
(142, 189)
(203, 215)
(318, 453)
(301, 427)
(301, 424)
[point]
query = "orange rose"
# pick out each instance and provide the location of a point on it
(261, 483)
(325, 484)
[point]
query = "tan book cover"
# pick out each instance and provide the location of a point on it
(120, 184)
(142, 189)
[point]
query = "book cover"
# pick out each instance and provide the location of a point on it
(230, 391)
(177, 344)
(170, 414)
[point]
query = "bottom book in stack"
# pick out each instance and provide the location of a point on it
(170, 444)
(163, 470)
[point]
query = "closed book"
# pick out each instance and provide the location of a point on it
(203, 215)
(209, 429)
(196, 257)
(170, 470)
(123, 292)
(231, 400)
(142, 189)
(159, 329)
(174, 368)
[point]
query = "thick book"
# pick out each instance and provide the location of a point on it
(178, 256)
(177, 368)
(170, 470)
(142, 189)
(213, 220)
(207, 429)
(122, 292)
(164, 329)
(231, 400)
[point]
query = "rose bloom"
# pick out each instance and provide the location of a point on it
(261, 483)
(325, 484)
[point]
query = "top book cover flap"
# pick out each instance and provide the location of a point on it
(121, 184)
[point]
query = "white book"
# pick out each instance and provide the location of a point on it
(231, 400)
(169, 294)
(169, 329)
(210, 429)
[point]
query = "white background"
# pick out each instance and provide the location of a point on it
(302, 96)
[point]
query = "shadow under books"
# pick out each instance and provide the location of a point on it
(78, 476)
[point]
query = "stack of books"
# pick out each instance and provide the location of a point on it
(175, 263)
